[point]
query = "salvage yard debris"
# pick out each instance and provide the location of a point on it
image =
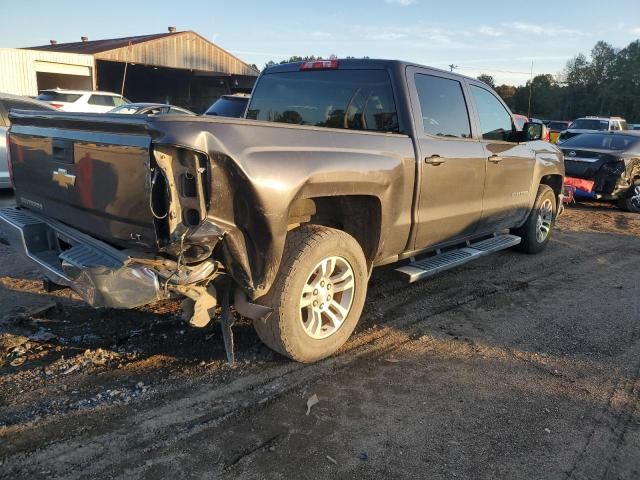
(313, 400)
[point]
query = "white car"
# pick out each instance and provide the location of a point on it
(82, 100)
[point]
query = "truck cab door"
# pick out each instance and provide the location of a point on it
(451, 166)
(510, 165)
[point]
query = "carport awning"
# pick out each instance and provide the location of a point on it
(62, 68)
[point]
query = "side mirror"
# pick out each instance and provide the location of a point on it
(532, 131)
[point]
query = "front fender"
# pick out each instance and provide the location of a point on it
(549, 162)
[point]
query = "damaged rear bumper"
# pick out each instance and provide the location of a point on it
(102, 275)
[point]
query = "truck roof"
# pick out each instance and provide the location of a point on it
(364, 64)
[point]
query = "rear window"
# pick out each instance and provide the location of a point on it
(603, 141)
(228, 107)
(103, 101)
(52, 96)
(589, 124)
(350, 99)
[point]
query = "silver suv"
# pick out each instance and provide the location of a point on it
(591, 125)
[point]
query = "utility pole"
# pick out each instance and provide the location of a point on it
(452, 66)
(126, 64)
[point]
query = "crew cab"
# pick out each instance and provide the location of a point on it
(340, 166)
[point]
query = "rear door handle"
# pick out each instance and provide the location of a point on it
(495, 159)
(434, 160)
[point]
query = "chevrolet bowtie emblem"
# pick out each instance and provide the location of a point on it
(63, 179)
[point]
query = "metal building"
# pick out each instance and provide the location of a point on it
(182, 68)
(25, 72)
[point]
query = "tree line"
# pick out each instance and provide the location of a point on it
(296, 58)
(606, 83)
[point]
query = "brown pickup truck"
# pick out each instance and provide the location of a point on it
(338, 167)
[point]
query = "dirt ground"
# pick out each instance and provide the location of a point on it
(514, 367)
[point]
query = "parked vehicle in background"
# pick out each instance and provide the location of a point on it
(150, 109)
(593, 124)
(232, 106)
(81, 100)
(7, 103)
(555, 128)
(608, 165)
(635, 126)
(339, 166)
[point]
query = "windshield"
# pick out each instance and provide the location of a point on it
(603, 141)
(126, 109)
(228, 107)
(590, 124)
(351, 99)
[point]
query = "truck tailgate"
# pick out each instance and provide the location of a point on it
(89, 171)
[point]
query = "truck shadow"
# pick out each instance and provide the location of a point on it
(65, 325)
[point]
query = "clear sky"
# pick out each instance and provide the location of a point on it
(499, 38)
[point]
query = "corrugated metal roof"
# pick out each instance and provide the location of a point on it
(186, 50)
(96, 46)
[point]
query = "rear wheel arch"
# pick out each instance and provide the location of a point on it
(358, 215)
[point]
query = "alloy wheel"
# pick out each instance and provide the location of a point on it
(326, 297)
(544, 221)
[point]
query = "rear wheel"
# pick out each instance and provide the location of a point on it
(317, 296)
(631, 199)
(536, 231)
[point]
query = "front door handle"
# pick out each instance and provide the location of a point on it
(434, 160)
(495, 159)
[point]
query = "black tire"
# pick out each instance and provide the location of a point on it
(304, 249)
(531, 242)
(630, 201)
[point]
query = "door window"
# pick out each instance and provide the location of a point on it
(495, 120)
(444, 110)
(102, 100)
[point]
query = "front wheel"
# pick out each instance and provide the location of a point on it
(317, 296)
(536, 231)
